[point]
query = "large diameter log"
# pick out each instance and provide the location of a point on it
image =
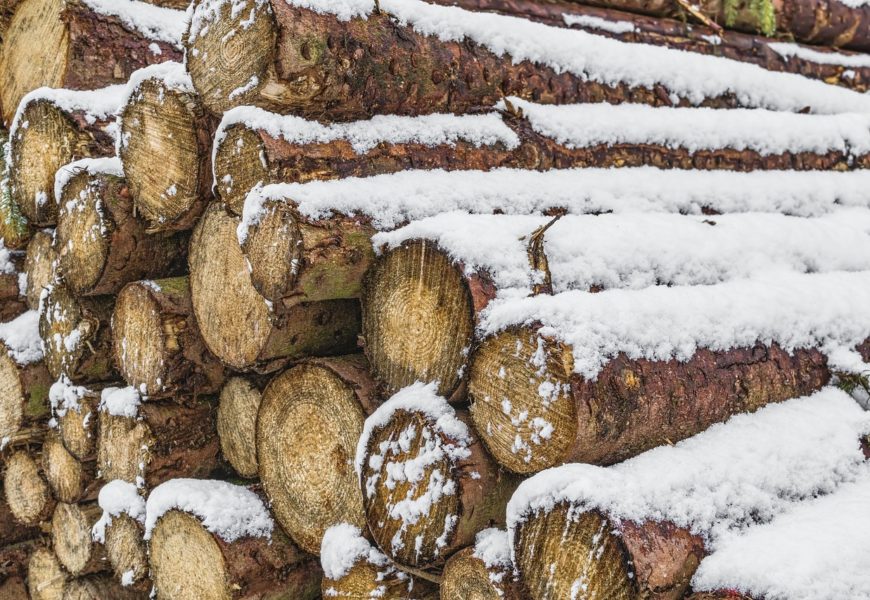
(76, 45)
(237, 324)
(238, 406)
(310, 420)
(100, 241)
(23, 395)
(70, 479)
(27, 493)
(164, 117)
(100, 587)
(157, 345)
(39, 265)
(46, 578)
(73, 543)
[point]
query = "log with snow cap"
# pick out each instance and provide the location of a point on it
(238, 406)
(121, 527)
(40, 264)
(72, 541)
(212, 539)
(428, 485)
(148, 442)
(640, 528)
(308, 425)
(163, 116)
(70, 479)
(353, 568)
(348, 61)
(238, 325)
(597, 378)
(27, 493)
(74, 409)
(83, 44)
(100, 242)
(24, 381)
(483, 571)
(51, 128)
(157, 345)
(46, 578)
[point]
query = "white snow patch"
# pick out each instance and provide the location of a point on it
(95, 104)
(21, 336)
(492, 546)
(154, 22)
(788, 50)
(116, 498)
(343, 545)
(120, 402)
(63, 396)
(93, 166)
(592, 22)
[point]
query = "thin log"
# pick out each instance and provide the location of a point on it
(12, 301)
(72, 540)
(468, 576)
(71, 480)
(157, 345)
(46, 578)
(39, 265)
(75, 409)
(238, 407)
(101, 587)
(27, 493)
(126, 550)
(23, 395)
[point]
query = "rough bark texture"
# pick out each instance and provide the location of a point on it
(237, 424)
(615, 560)
(39, 266)
(46, 579)
(63, 44)
(309, 422)
(632, 406)
(466, 576)
(27, 494)
(72, 541)
(157, 342)
(165, 441)
(12, 532)
(190, 563)
(70, 479)
(100, 242)
(101, 587)
(12, 301)
(23, 395)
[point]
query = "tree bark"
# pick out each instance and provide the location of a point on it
(248, 568)
(237, 424)
(39, 265)
(12, 533)
(236, 323)
(164, 118)
(70, 479)
(157, 345)
(12, 301)
(27, 493)
(126, 550)
(46, 579)
(62, 44)
(467, 576)
(100, 242)
(101, 587)
(72, 540)
(23, 395)
(165, 441)
(309, 422)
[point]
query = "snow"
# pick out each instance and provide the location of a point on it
(691, 76)
(592, 22)
(171, 75)
(64, 396)
(94, 166)
(117, 498)
(96, 105)
(154, 22)
(21, 336)
(788, 50)
(492, 546)
(120, 402)
(228, 511)
(763, 131)
(6, 265)
(816, 551)
(202, 14)
(342, 547)
(744, 471)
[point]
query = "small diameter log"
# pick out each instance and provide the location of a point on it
(126, 550)
(164, 441)
(27, 493)
(100, 242)
(75, 409)
(77, 335)
(70, 479)
(236, 323)
(237, 424)
(39, 265)
(308, 426)
(101, 587)
(484, 571)
(73, 543)
(164, 117)
(23, 395)
(632, 406)
(157, 345)
(70, 44)
(428, 484)
(13, 301)
(46, 578)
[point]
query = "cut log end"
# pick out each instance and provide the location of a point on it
(237, 424)
(307, 430)
(368, 580)
(100, 587)
(39, 264)
(125, 549)
(83, 247)
(78, 428)
(140, 347)
(73, 544)
(46, 579)
(467, 577)
(123, 445)
(418, 318)
(274, 248)
(65, 474)
(27, 493)
(239, 166)
(522, 406)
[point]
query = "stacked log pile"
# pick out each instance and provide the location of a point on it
(417, 299)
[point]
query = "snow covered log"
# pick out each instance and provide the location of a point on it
(82, 44)
(122, 529)
(148, 443)
(74, 408)
(483, 571)
(164, 117)
(640, 528)
(350, 61)
(237, 324)
(77, 335)
(238, 406)
(353, 568)
(27, 493)
(428, 484)
(310, 420)
(13, 300)
(72, 541)
(46, 578)
(718, 595)
(157, 345)
(51, 128)
(240, 554)
(70, 479)
(100, 587)
(39, 265)
(23, 395)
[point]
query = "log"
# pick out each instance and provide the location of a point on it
(14, 228)
(308, 426)
(80, 45)
(11, 532)
(100, 242)
(238, 406)
(23, 395)
(53, 128)
(164, 117)
(75, 410)
(39, 265)
(13, 300)
(70, 479)
(71, 536)
(157, 345)
(46, 579)
(27, 493)
(483, 571)
(235, 322)
(77, 335)
(121, 530)
(419, 515)
(100, 587)
(163, 441)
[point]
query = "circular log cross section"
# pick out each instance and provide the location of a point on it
(78, 428)
(140, 341)
(238, 166)
(71, 534)
(276, 250)
(39, 265)
(46, 579)
(83, 246)
(237, 425)
(466, 576)
(23, 394)
(125, 548)
(27, 493)
(65, 474)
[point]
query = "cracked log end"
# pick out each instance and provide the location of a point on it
(71, 536)
(125, 548)
(27, 494)
(237, 425)
(239, 165)
(46, 579)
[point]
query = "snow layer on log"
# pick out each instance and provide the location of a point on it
(829, 311)
(492, 546)
(154, 22)
(117, 498)
(816, 551)
(787, 50)
(120, 402)
(594, 22)
(171, 73)
(64, 396)
(744, 471)
(229, 511)
(94, 166)
(21, 336)
(342, 546)
(95, 104)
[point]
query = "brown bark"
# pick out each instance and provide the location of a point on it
(27, 494)
(101, 587)
(23, 396)
(100, 242)
(165, 441)
(157, 345)
(62, 44)
(12, 301)
(39, 265)
(12, 533)
(14, 556)
(72, 540)
(466, 576)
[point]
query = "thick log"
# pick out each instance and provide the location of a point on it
(13, 300)
(310, 420)
(27, 493)
(46, 578)
(482, 571)
(164, 441)
(23, 395)
(157, 345)
(236, 323)
(70, 479)
(39, 265)
(56, 43)
(73, 543)
(164, 117)
(237, 424)
(101, 587)
(100, 242)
